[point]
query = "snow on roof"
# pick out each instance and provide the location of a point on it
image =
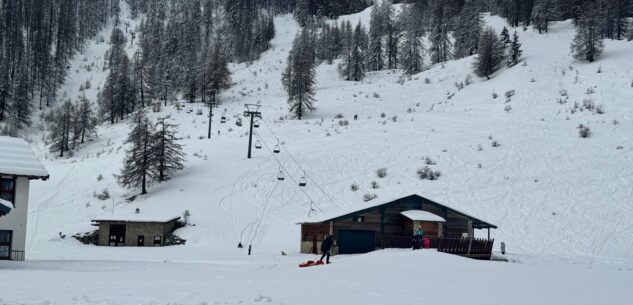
(17, 158)
(5, 206)
(419, 215)
(136, 218)
(348, 210)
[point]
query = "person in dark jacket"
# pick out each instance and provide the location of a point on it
(325, 248)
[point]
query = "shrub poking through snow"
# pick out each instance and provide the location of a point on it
(104, 195)
(369, 197)
(426, 173)
(354, 187)
(339, 116)
(584, 131)
(375, 185)
(343, 122)
(429, 161)
(495, 143)
(381, 172)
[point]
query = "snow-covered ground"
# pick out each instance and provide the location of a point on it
(563, 204)
(383, 277)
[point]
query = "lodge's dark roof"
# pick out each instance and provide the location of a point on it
(355, 210)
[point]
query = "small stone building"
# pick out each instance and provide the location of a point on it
(135, 231)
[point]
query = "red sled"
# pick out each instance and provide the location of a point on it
(311, 263)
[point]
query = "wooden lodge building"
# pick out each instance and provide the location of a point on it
(391, 224)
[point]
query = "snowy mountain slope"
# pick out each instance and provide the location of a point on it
(553, 194)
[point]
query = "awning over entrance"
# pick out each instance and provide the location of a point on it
(5, 207)
(419, 215)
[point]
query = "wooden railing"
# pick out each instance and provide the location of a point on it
(478, 248)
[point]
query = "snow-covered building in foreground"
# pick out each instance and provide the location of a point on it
(18, 165)
(393, 223)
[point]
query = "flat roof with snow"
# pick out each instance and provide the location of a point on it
(136, 218)
(419, 215)
(17, 159)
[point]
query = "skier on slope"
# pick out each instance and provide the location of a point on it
(325, 248)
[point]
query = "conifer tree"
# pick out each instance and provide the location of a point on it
(300, 75)
(440, 49)
(587, 44)
(514, 52)
(85, 121)
(505, 36)
(353, 66)
(376, 30)
(60, 128)
(490, 53)
(392, 34)
(218, 74)
(412, 48)
(139, 168)
(467, 31)
(20, 107)
(542, 15)
(167, 152)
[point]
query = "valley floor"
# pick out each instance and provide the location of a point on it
(381, 277)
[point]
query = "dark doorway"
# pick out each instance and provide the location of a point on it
(356, 241)
(141, 241)
(117, 235)
(5, 244)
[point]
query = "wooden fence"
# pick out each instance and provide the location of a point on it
(478, 248)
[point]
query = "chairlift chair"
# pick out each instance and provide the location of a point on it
(258, 144)
(238, 122)
(302, 181)
(256, 124)
(280, 176)
(277, 149)
(223, 119)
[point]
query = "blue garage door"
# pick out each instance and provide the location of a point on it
(356, 241)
